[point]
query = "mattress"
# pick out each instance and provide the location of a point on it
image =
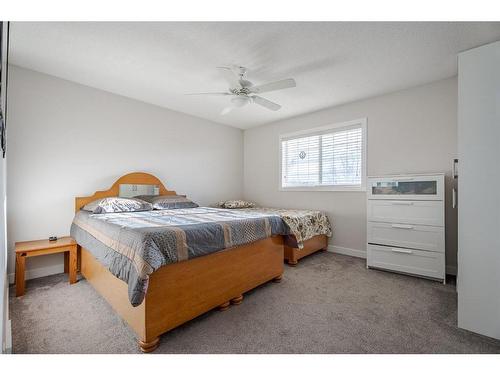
(132, 245)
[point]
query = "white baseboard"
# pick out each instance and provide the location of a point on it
(347, 251)
(8, 337)
(39, 272)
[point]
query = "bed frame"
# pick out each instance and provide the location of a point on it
(293, 253)
(182, 291)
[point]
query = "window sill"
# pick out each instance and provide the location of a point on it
(325, 188)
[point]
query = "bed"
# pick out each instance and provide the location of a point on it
(155, 293)
(307, 231)
(159, 269)
(292, 251)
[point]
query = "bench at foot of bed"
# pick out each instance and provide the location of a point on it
(312, 245)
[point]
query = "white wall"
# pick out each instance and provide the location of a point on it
(414, 130)
(5, 339)
(68, 140)
(478, 184)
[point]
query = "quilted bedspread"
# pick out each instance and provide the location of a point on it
(303, 224)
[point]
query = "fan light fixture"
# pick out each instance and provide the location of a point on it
(240, 101)
(243, 91)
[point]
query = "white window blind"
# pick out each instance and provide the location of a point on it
(324, 157)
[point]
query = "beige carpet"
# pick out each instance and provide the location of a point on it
(328, 304)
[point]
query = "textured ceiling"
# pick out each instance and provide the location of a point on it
(332, 62)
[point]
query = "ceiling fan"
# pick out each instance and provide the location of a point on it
(243, 91)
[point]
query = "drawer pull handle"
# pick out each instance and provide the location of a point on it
(402, 251)
(402, 226)
(402, 203)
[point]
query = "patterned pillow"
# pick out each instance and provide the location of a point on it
(171, 202)
(236, 204)
(117, 204)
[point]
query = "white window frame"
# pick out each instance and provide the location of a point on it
(311, 131)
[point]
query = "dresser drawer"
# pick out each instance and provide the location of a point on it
(416, 262)
(421, 237)
(406, 212)
(409, 187)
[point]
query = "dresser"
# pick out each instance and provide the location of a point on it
(405, 224)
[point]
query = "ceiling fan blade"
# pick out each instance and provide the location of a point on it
(266, 103)
(231, 78)
(210, 93)
(226, 110)
(272, 86)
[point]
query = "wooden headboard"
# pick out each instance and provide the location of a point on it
(136, 178)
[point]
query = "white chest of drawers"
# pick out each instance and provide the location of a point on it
(405, 228)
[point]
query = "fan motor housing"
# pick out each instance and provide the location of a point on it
(245, 83)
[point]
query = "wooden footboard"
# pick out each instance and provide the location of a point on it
(293, 253)
(182, 291)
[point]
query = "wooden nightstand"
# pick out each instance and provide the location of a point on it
(28, 249)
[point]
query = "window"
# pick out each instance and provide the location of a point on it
(328, 158)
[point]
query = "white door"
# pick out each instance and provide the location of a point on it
(479, 190)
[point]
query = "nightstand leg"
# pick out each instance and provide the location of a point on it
(72, 265)
(20, 264)
(66, 261)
